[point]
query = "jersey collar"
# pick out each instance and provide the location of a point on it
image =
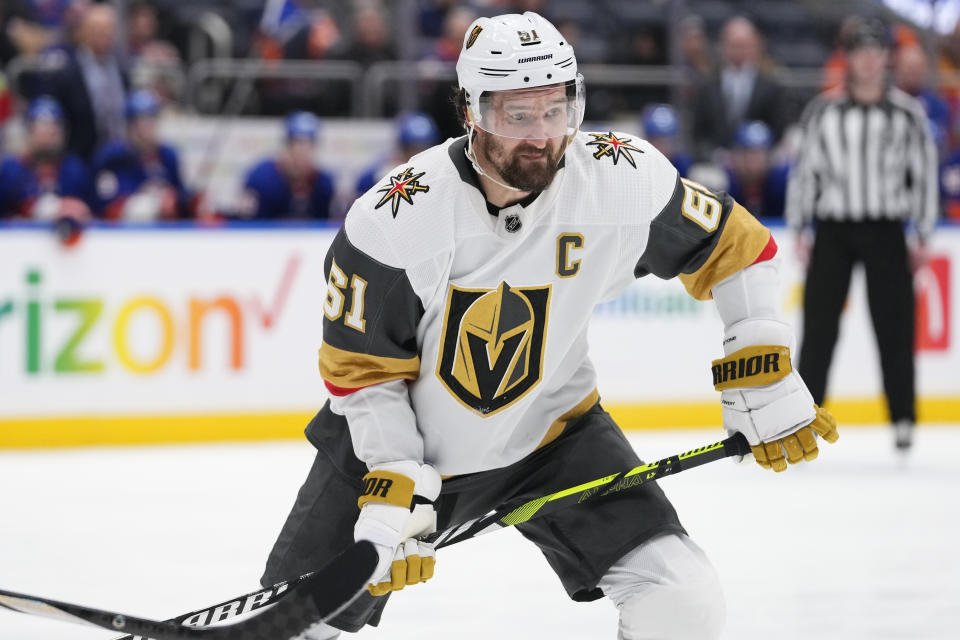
(457, 153)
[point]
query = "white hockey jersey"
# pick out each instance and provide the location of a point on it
(457, 336)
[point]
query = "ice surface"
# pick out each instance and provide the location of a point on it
(856, 545)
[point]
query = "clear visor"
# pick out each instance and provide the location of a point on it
(539, 113)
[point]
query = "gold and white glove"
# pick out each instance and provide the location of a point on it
(766, 400)
(396, 506)
(763, 397)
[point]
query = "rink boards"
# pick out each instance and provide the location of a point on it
(183, 334)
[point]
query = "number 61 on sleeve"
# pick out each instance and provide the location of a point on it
(700, 206)
(336, 297)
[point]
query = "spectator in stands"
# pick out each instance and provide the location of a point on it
(695, 48)
(289, 186)
(283, 30)
(142, 28)
(323, 36)
(911, 73)
(143, 35)
(447, 47)
(950, 186)
(138, 179)
(28, 27)
(370, 38)
(8, 45)
(754, 179)
(90, 83)
(948, 58)
(146, 52)
(46, 182)
(741, 91)
(661, 128)
(287, 31)
(433, 16)
(436, 94)
(416, 132)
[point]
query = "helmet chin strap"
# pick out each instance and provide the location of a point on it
(472, 157)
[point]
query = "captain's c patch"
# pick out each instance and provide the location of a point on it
(491, 354)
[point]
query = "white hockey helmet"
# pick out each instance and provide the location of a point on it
(526, 52)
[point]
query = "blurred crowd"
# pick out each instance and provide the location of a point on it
(89, 101)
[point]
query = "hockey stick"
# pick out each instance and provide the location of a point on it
(735, 445)
(506, 516)
(318, 597)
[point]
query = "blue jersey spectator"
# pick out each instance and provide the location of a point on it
(755, 180)
(950, 186)
(661, 128)
(416, 132)
(49, 13)
(912, 75)
(139, 178)
(290, 185)
(46, 181)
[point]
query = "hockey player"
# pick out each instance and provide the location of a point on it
(454, 347)
(139, 178)
(756, 178)
(416, 132)
(661, 128)
(46, 180)
(290, 186)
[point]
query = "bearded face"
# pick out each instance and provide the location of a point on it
(522, 133)
(528, 165)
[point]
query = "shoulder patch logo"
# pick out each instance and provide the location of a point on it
(403, 185)
(474, 34)
(608, 144)
(491, 354)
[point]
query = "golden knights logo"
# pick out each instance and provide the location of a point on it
(491, 353)
(609, 144)
(403, 185)
(473, 36)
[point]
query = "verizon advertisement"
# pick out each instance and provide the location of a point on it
(180, 321)
(161, 321)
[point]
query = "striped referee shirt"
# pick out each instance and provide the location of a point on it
(865, 162)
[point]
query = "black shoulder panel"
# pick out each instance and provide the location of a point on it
(679, 243)
(386, 323)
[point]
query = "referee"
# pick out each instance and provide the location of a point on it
(867, 166)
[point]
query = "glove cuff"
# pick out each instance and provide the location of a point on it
(396, 483)
(755, 366)
(758, 331)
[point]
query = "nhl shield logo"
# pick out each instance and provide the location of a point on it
(491, 353)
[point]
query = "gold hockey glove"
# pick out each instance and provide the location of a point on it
(396, 506)
(766, 400)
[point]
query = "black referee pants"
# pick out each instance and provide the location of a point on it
(881, 247)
